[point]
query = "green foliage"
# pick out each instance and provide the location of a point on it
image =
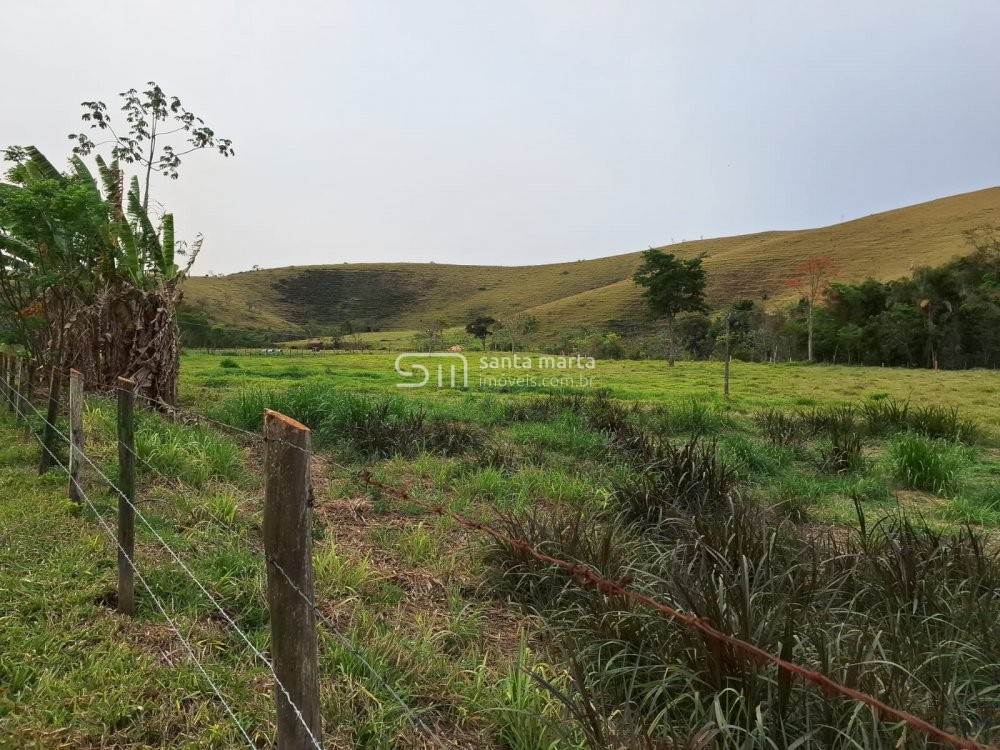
(920, 463)
(372, 426)
(672, 285)
(194, 455)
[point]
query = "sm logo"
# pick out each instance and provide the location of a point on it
(449, 370)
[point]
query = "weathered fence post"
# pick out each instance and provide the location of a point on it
(47, 461)
(126, 484)
(20, 385)
(5, 390)
(75, 436)
(288, 548)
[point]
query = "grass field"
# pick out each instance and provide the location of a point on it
(596, 293)
(449, 620)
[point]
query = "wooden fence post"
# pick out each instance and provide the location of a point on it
(287, 532)
(126, 483)
(4, 388)
(20, 405)
(75, 436)
(47, 461)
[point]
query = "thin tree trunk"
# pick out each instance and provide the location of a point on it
(809, 345)
(670, 341)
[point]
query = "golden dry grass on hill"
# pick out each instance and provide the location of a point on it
(565, 296)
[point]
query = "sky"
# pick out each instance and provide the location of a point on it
(517, 132)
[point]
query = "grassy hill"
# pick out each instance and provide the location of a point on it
(565, 296)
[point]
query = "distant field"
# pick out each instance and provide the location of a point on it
(597, 293)
(976, 392)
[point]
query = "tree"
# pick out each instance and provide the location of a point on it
(480, 328)
(812, 277)
(672, 286)
(513, 324)
(151, 117)
(83, 260)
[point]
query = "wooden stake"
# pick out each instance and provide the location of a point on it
(126, 483)
(75, 436)
(287, 532)
(5, 390)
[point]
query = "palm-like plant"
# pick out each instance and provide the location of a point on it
(83, 255)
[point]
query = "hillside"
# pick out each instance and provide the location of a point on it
(564, 296)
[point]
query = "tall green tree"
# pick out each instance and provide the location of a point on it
(481, 327)
(672, 286)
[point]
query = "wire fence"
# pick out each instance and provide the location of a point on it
(582, 575)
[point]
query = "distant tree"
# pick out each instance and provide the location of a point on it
(481, 327)
(513, 325)
(432, 336)
(529, 325)
(673, 286)
(812, 277)
(694, 331)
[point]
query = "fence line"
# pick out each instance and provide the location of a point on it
(407, 710)
(412, 715)
(135, 569)
(122, 495)
(583, 575)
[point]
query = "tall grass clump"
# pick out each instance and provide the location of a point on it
(780, 427)
(371, 426)
(193, 454)
(887, 416)
(921, 463)
(873, 610)
(657, 480)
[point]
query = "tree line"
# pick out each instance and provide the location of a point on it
(939, 317)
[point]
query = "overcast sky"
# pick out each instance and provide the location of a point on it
(526, 131)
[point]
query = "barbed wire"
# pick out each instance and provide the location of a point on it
(588, 576)
(194, 578)
(156, 601)
(334, 629)
(408, 710)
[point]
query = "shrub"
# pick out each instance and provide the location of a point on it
(871, 610)
(229, 364)
(372, 426)
(921, 463)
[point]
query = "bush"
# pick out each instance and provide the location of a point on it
(229, 364)
(921, 463)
